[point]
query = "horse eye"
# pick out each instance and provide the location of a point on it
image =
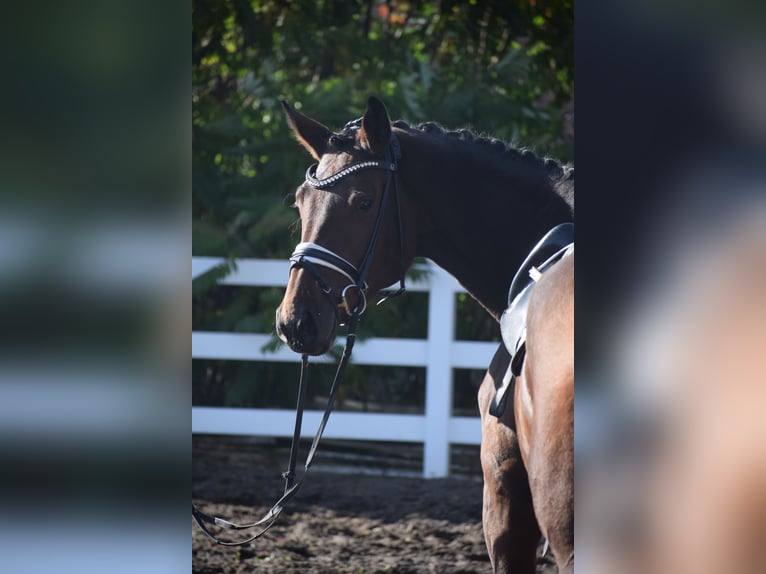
(364, 204)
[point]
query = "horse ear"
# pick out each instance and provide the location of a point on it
(310, 133)
(375, 134)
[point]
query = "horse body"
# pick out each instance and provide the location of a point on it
(475, 243)
(475, 208)
(544, 408)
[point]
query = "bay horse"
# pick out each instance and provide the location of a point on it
(383, 193)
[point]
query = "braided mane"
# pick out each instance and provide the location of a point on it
(560, 175)
(555, 169)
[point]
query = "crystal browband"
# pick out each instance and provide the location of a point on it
(312, 180)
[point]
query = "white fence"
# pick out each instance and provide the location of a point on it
(439, 354)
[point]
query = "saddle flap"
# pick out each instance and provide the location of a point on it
(557, 243)
(513, 322)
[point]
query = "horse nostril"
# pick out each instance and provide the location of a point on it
(306, 329)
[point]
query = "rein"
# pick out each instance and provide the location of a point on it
(291, 486)
(309, 256)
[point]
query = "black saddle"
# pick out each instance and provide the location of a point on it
(513, 323)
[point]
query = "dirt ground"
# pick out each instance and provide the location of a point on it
(345, 522)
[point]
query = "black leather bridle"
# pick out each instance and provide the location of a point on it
(311, 256)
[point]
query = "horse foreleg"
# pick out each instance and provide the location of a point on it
(510, 528)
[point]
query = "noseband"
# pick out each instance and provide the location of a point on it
(311, 256)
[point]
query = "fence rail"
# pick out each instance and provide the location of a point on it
(439, 354)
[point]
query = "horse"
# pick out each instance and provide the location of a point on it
(383, 193)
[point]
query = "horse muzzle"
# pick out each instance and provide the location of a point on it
(305, 330)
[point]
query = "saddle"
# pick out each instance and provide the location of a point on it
(554, 245)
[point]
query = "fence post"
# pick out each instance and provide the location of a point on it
(441, 328)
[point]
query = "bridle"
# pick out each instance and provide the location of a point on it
(311, 256)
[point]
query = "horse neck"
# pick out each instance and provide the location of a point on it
(478, 214)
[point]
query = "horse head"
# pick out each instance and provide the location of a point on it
(352, 227)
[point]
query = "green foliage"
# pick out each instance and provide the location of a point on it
(500, 67)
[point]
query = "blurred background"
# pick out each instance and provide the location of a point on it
(670, 332)
(94, 263)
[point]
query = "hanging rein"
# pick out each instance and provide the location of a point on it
(311, 256)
